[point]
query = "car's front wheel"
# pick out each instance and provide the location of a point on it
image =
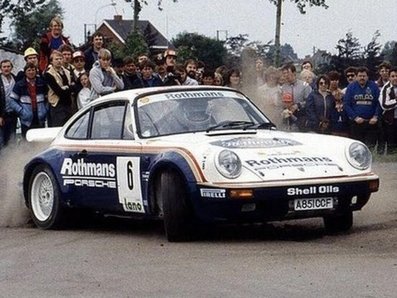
(44, 199)
(178, 215)
(338, 223)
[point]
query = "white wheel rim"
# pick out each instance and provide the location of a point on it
(42, 196)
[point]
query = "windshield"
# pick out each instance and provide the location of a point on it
(194, 111)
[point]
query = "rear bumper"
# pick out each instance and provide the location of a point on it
(214, 204)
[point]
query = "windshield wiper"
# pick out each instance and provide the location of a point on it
(262, 125)
(231, 124)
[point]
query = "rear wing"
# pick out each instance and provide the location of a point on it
(42, 134)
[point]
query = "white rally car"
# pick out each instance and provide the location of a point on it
(193, 156)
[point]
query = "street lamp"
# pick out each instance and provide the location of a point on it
(112, 3)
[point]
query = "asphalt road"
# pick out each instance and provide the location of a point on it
(133, 259)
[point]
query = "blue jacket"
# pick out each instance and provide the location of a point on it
(362, 101)
(21, 102)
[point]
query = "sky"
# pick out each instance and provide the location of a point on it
(319, 28)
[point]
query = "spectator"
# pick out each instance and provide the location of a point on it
(307, 65)
(259, 71)
(8, 118)
(31, 56)
(319, 105)
(86, 94)
(233, 79)
(91, 54)
(130, 76)
(142, 57)
(307, 77)
(59, 90)
(388, 102)
(103, 77)
(350, 74)
(339, 120)
(29, 100)
(191, 68)
(363, 108)
(78, 60)
(218, 79)
(268, 98)
(298, 91)
(383, 70)
(51, 41)
(289, 118)
(182, 77)
(208, 77)
(170, 60)
(147, 76)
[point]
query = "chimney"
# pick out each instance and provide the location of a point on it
(118, 17)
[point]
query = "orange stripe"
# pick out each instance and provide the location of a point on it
(116, 148)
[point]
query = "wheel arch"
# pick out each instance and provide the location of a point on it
(29, 168)
(169, 162)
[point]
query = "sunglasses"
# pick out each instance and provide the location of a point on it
(349, 75)
(322, 83)
(79, 60)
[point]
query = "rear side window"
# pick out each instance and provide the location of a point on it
(79, 129)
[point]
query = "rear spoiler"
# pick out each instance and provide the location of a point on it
(42, 134)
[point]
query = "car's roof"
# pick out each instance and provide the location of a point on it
(142, 91)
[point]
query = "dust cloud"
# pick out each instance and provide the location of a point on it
(13, 211)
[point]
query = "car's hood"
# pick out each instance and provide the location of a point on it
(269, 155)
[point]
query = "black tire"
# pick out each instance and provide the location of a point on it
(44, 199)
(178, 215)
(338, 223)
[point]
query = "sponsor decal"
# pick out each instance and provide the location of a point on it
(213, 193)
(129, 183)
(194, 94)
(247, 142)
(282, 162)
(312, 190)
(90, 174)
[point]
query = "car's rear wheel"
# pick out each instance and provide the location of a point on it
(44, 199)
(178, 215)
(338, 223)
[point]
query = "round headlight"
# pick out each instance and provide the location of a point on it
(359, 156)
(228, 164)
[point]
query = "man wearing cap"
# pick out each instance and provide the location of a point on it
(8, 119)
(31, 56)
(78, 60)
(170, 59)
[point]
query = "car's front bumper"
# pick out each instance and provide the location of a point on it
(278, 201)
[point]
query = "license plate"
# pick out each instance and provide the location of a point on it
(313, 204)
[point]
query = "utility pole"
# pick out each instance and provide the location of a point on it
(278, 32)
(137, 8)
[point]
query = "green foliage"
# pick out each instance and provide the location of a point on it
(372, 55)
(302, 4)
(16, 8)
(135, 45)
(28, 28)
(192, 45)
(389, 52)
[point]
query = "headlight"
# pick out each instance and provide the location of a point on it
(228, 164)
(359, 156)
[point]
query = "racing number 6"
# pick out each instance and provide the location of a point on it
(130, 177)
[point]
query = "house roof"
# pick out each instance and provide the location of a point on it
(121, 28)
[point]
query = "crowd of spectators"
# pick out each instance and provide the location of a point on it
(58, 80)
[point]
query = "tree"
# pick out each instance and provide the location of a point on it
(301, 5)
(387, 51)
(137, 6)
(28, 29)
(192, 45)
(135, 44)
(16, 8)
(372, 55)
